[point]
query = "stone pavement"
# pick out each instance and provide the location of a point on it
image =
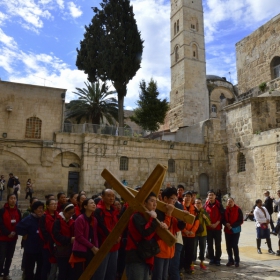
(252, 265)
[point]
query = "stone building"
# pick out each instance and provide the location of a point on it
(216, 135)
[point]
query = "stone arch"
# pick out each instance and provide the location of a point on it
(203, 182)
(66, 158)
(275, 67)
(15, 164)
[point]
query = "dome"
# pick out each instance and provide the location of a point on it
(217, 78)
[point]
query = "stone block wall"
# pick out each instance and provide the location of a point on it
(28, 101)
(254, 54)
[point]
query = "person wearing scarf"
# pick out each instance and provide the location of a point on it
(63, 235)
(33, 245)
(232, 221)
(9, 218)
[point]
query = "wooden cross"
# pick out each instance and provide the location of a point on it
(153, 183)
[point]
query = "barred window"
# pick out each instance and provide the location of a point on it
(124, 163)
(241, 163)
(33, 128)
(171, 165)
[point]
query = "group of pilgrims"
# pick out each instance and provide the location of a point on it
(61, 235)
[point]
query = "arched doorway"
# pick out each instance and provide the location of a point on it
(203, 184)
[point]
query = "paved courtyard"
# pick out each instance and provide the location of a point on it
(252, 265)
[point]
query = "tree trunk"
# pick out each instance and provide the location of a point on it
(120, 116)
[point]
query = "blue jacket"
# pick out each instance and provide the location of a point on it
(30, 226)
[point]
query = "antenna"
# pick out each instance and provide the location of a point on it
(43, 79)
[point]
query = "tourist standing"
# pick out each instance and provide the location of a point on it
(2, 186)
(200, 238)
(29, 189)
(140, 229)
(268, 204)
(9, 217)
(86, 241)
(107, 218)
(232, 221)
(63, 235)
(262, 226)
(215, 211)
(33, 245)
(10, 184)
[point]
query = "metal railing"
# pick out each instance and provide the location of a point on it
(102, 129)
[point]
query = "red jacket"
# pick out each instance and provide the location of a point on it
(45, 228)
(63, 231)
(234, 217)
(215, 212)
(7, 215)
(191, 227)
(107, 220)
(140, 229)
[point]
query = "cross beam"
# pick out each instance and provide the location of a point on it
(135, 204)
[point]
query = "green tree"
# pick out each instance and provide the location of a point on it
(112, 47)
(151, 111)
(94, 104)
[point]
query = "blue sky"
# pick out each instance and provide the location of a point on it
(38, 39)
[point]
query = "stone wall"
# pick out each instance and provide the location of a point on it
(254, 55)
(260, 148)
(27, 101)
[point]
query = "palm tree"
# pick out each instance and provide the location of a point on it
(93, 104)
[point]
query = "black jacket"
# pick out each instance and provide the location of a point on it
(268, 204)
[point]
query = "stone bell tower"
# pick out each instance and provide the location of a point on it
(189, 99)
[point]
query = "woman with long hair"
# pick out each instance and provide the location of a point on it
(86, 241)
(78, 206)
(9, 218)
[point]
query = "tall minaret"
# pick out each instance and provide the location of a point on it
(189, 99)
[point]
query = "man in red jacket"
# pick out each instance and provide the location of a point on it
(214, 231)
(107, 218)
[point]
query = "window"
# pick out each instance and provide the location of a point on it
(33, 128)
(171, 165)
(177, 26)
(214, 108)
(241, 162)
(124, 163)
(176, 53)
(194, 24)
(275, 67)
(195, 51)
(175, 29)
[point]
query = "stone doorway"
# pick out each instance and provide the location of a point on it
(73, 182)
(203, 185)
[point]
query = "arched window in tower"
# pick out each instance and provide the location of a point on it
(275, 67)
(241, 162)
(214, 109)
(176, 53)
(33, 128)
(171, 165)
(177, 25)
(175, 28)
(194, 24)
(194, 51)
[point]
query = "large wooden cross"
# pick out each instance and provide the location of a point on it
(135, 201)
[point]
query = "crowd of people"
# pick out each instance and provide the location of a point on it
(61, 235)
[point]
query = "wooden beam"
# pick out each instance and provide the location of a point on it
(177, 213)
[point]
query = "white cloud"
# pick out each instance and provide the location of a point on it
(60, 3)
(74, 10)
(30, 12)
(7, 40)
(156, 55)
(3, 17)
